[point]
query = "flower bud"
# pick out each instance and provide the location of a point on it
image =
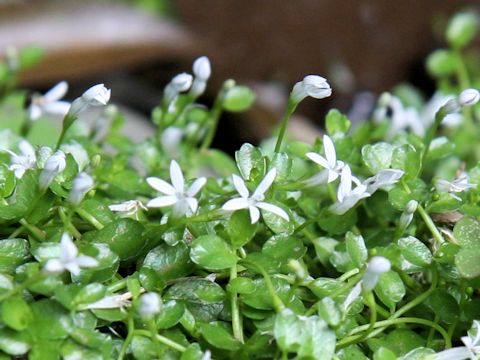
(468, 97)
(178, 84)
(461, 29)
(97, 95)
(54, 165)
(411, 206)
(376, 266)
(81, 185)
(311, 85)
(202, 69)
(150, 304)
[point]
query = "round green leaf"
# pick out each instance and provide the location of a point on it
(169, 262)
(467, 232)
(414, 251)
(16, 313)
(212, 252)
(356, 249)
(467, 261)
(390, 288)
(50, 320)
(13, 252)
(378, 156)
(238, 98)
(218, 337)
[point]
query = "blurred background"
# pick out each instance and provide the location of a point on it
(362, 47)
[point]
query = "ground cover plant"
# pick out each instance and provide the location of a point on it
(363, 245)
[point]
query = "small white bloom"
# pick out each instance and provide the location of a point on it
(150, 304)
(468, 97)
(255, 202)
(117, 301)
(69, 259)
(384, 179)
(202, 68)
(376, 267)
(175, 194)
(178, 84)
(329, 162)
(97, 95)
(460, 184)
(23, 162)
(82, 184)
(348, 198)
(49, 103)
(470, 351)
(352, 296)
(130, 207)
(311, 85)
(54, 165)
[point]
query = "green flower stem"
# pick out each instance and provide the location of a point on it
(431, 333)
(462, 72)
(38, 234)
(214, 117)
(66, 217)
(369, 300)
(128, 339)
(152, 327)
(162, 339)
(116, 286)
(352, 338)
(84, 214)
(17, 231)
(26, 126)
(68, 120)
(439, 116)
(291, 106)
(236, 317)
(348, 274)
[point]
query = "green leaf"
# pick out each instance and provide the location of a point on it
(13, 343)
(444, 306)
(13, 252)
(406, 158)
(212, 252)
(378, 156)
(218, 337)
(444, 203)
(250, 161)
(284, 248)
(25, 192)
(238, 98)
(172, 312)
(261, 298)
(337, 224)
(241, 285)
(240, 229)
(283, 165)
(193, 352)
(414, 251)
(336, 122)
(467, 261)
(169, 262)
(401, 341)
(384, 354)
(390, 288)
(90, 293)
(356, 249)
(108, 263)
(50, 320)
(16, 313)
(467, 232)
(7, 181)
(330, 311)
(440, 148)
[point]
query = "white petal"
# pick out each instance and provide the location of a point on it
(345, 183)
(163, 201)
(254, 214)
(161, 185)
(68, 250)
(330, 153)
(196, 186)
(180, 208)
(177, 177)
(352, 295)
(57, 108)
(192, 203)
(236, 204)
(273, 209)
(57, 92)
(265, 184)
(26, 149)
(54, 266)
(240, 186)
(332, 176)
(456, 353)
(73, 267)
(86, 261)
(34, 112)
(319, 159)
(120, 207)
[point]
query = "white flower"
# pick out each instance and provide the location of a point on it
(130, 207)
(347, 198)
(150, 304)
(255, 202)
(352, 296)
(81, 185)
(384, 179)
(376, 267)
(329, 162)
(202, 68)
(175, 194)
(23, 162)
(54, 165)
(49, 103)
(311, 85)
(97, 95)
(178, 84)
(469, 351)
(468, 97)
(116, 301)
(69, 259)
(460, 184)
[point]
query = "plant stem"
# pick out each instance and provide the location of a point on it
(89, 217)
(34, 231)
(236, 317)
(214, 117)
(164, 340)
(131, 329)
(291, 106)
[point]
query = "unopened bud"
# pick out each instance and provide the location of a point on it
(81, 185)
(311, 85)
(97, 95)
(468, 97)
(150, 304)
(54, 165)
(202, 69)
(376, 266)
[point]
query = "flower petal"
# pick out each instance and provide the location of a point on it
(330, 153)
(240, 186)
(86, 261)
(57, 108)
(176, 176)
(34, 112)
(56, 92)
(265, 184)
(345, 183)
(68, 250)
(73, 268)
(163, 201)
(236, 204)
(318, 159)
(192, 203)
(273, 209)
(54, 266)
(26, 149)
(161, 185)
(332, 176)
(196, 186)
(254, 214)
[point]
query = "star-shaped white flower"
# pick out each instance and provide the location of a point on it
(182, 201)
(255, 202)
(49, 103)
(69, 259)
(348, 197)
(329, 162)
(460, 184)
(384, 179)
(24, 161)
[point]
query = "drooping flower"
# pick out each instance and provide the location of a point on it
(49, 103)
(182, 201)
(346, 196)
(329, 162)
(254, 202)
(130, 207)
(24, 161)
(82, 184)
(311, 85)
(69, 259)
(97, 95)
(54, 165)
(150, 304)
(460, 184)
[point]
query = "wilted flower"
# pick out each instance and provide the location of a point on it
(54, 165)
(150, 304)
(329, 162)
(116, 301)
(97, 95)
(384, 179)
(49, 103)
(347, 198)
(69, 259)
(175, 194)
(23, 162)
(255, 202)
(130, 207)
(81, 185)
(311, 85)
